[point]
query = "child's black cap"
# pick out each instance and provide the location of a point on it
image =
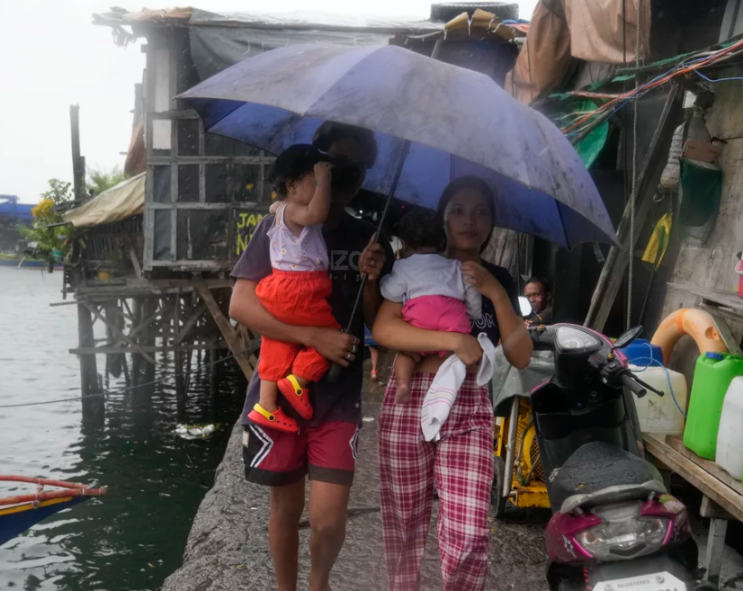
(293, 163)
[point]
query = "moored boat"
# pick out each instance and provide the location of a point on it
(20, 512)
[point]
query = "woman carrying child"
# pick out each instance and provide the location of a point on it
(461, 462)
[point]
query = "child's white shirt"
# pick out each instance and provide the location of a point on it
(430, 275)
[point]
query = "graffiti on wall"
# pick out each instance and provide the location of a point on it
(245, 223)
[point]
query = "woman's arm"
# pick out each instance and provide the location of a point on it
(517, 345)
(391, 331)
(246, 308)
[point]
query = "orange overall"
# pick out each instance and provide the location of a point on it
(297, 298)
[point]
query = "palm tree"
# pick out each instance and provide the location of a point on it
(99, 180)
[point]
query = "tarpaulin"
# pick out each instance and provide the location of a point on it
(113, 205)
(221, 40)
(598, 29)
(591, 30)
(545, 57)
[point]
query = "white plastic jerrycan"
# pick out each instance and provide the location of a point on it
(660, 414)
(730, 436)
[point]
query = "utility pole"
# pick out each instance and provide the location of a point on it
(78, 161)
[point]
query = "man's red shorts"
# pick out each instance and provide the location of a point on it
(327, 453)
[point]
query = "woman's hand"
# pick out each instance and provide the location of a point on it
(482, 280)
(372, 259)
(467, 349)
(336, 346)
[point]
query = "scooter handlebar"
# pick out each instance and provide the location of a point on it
(628, 380)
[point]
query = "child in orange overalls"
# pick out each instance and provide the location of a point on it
(296, 291)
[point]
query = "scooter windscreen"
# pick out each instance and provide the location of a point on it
(573, 345)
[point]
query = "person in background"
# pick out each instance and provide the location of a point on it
(539, 293)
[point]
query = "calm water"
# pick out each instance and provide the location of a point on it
(135, 537)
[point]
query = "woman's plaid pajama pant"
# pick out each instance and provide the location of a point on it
(461, 464)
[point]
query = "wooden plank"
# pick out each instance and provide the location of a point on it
(119, 333)
(711, 510)
(721, 298)
(724, 330)
(710, 486)
(134, 259)
(146, 322)
(150, 348)
(143, 287)
(225, 328)
(715, 549)
(676, 443)
(612, 273)
(190, 323)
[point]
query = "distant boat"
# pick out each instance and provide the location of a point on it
(19, 513)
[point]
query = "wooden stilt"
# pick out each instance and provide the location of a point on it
(230, 335)
(93, 406)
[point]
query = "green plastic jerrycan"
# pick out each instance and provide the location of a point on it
(712, 376)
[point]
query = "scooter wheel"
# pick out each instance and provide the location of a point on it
(496, 497)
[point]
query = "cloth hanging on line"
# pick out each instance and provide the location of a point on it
(445, 386)
(659, 239)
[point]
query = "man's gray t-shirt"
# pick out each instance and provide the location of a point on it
(341, 399)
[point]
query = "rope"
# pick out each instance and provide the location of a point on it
(116, 391)
(633, 195)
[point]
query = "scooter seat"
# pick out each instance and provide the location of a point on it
(602, 471)
(613, 494)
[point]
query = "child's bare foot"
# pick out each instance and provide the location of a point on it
(403, 393)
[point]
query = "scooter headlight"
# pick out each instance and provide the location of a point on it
(623, 540)
(575, 339)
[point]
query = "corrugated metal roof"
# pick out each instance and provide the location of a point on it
(184, 16)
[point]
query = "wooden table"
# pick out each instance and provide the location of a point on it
(723, 495)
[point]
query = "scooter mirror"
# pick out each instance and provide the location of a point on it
(525, 306)
(627, 337)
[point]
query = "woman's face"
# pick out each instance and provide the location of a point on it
(468, 220)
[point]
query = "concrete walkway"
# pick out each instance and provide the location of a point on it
(227, 549)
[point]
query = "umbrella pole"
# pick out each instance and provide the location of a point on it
(400, 163)
(335, 368)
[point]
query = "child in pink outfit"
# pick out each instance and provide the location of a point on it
(433, 292)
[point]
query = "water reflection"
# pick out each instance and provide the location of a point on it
(134, 538)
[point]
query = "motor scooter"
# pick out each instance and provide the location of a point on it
(615, 527)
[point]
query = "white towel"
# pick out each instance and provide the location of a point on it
(446, 384)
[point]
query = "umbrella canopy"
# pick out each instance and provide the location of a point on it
(458, 123)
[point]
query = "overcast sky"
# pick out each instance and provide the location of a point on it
(51, 57)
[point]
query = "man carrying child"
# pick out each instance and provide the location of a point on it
(324, 448)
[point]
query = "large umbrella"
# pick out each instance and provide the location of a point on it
(433, 121)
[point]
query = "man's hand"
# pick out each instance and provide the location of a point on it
(336, 346)
(372, 259)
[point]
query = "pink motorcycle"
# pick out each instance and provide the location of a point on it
(615, 526)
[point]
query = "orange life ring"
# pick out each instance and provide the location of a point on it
(698, 324)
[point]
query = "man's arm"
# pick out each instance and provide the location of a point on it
(246, 308)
